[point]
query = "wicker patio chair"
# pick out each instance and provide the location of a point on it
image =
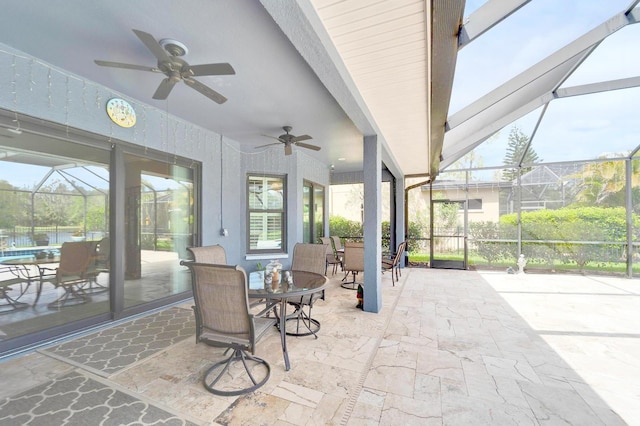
(223, 320)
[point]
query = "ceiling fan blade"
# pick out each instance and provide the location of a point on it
(165, 88)
(273, 137)
(269, 144)
(153, 45)
(287, 149)
(306, 145)
(126, 66)
(205, 90)
(301, 138)
(211, 69)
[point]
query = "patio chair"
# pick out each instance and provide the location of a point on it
(100, 252)
(337, 244)
(332, 257)
(71, 274)
(392, 263)
(209, 254)
(223, 320)
(353, 263)
(308, 258)
(9, 280)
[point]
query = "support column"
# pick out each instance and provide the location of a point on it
(401, 226)
(372, 166)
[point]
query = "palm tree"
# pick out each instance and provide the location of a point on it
(603, 183)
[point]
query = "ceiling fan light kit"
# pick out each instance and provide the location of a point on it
(168, 52)
(288, 140)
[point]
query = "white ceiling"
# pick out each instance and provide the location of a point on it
(383, 45)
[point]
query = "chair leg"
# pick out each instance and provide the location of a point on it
(12, 304)
(71, 297)
(353, 284)
(218, 370)
(311, 324)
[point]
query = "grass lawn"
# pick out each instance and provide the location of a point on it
(480, 262)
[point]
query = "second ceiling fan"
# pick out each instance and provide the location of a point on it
(288, 140)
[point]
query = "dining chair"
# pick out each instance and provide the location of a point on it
(353, 263)
(392, 263)
(71, 275)
(99, 262)
(224, 320)
(209, 254)
(332, 257)
(337, 243)
(308, 258)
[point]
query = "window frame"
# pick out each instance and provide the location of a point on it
(282, 211)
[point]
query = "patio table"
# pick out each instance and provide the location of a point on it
(302, 283)
(24, 267)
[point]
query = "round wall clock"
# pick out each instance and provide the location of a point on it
(121, 112)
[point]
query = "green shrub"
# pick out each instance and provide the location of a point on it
(577, 233)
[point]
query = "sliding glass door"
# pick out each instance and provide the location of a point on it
(159, 226)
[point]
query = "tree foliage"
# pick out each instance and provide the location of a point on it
(518, 152)
(604, 184)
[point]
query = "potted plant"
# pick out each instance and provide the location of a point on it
(78, 235)
(40, 239)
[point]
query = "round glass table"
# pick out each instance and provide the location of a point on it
(292, 284)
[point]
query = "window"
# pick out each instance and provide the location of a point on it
(312, 212)
(473, 204)
(266, 220)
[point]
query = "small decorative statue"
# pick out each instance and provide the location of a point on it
(275, 267)
(522, 262)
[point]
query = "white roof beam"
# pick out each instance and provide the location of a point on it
(456, 150)
(486, 17)
(581, 46)
(604, 86)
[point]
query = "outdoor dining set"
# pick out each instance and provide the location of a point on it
(234, 309)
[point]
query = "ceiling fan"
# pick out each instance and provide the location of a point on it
(168, 53)
(288, 139)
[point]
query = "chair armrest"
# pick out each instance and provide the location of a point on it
(269, 307)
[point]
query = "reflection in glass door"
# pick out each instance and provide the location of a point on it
(159, 226)
(54, 216)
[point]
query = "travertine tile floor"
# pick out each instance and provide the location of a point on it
(448, 348)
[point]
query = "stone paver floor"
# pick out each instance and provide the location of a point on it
(448, 348)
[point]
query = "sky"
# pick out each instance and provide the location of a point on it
(583, 127)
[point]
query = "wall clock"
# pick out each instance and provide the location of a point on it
(121, 112)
